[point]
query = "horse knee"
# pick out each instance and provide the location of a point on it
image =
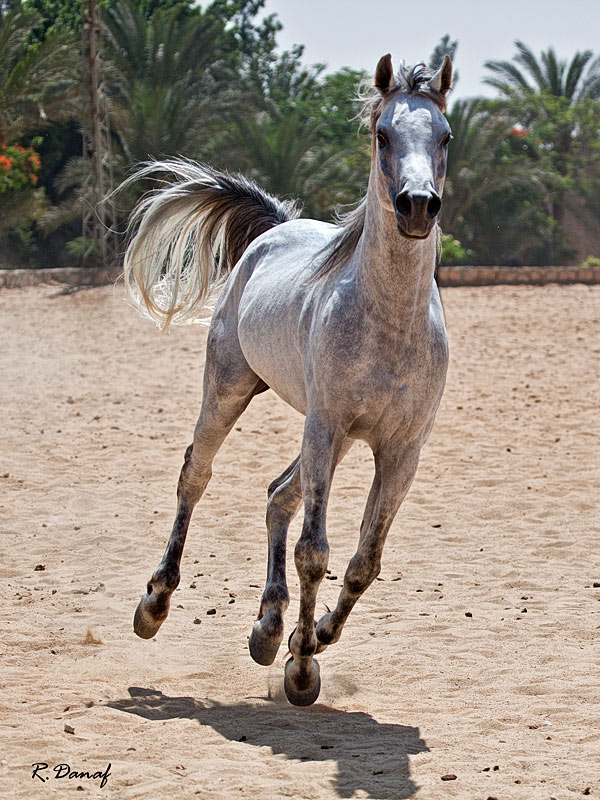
(311, 559)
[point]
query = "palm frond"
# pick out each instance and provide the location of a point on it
(507, 76)
(526, 57)
(575, 73)
(590, 84)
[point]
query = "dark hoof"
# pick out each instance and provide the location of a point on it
(143, 624)
(263, 649)
(301, 696)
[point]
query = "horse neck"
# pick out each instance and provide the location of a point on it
(396, 274)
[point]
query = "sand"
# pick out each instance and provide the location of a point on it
(475, 654)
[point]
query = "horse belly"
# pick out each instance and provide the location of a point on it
(273, 356)
(279, 373)
(272, 300)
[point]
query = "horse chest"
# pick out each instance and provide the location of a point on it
(393, 400)
(384, 386)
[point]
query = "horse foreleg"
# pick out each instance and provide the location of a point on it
(321, 449)
(394, 473)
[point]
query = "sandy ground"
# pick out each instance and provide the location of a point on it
(475, 654)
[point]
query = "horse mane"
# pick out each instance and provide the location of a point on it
(412, 81)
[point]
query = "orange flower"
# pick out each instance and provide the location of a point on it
(5, 163)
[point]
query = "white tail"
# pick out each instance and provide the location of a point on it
(190, 234)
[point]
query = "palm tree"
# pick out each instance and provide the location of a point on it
(493, 195)
(286, 153)
(36, 81)
(551, 75)
(293, 133)
(162, 80)
(161, 77)
(546, 95)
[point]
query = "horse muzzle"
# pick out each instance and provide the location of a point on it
(417, 212)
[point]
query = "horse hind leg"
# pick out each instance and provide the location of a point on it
(229, 385)
(285, 496)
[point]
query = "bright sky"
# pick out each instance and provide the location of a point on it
(355, 33)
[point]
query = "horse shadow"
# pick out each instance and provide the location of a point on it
(371, 756)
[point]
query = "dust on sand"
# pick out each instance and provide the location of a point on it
(475, 654)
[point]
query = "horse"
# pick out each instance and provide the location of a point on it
(342, 320)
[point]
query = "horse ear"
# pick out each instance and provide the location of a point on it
(384, 74)
(442, 80)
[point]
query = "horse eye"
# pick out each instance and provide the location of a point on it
(381, 138)
(446, 140)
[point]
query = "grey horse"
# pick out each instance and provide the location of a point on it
(344, 322)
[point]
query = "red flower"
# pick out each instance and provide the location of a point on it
(519, 131)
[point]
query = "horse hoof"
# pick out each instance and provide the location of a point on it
(262, 647)
(298, 695)
(143, 625)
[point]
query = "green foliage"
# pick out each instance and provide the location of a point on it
(54, 16)
(19, 167)
(162, 74)
(294, 134)
(495, 187)
(453, 254)
(590, 261)
(66, 15)
(78, 246)
(207, 82)
(36, 81)
(518, 161)
(20, 208)
(445, 47)
(550, 75)
(555, 104)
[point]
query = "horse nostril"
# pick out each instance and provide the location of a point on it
(403, 204)
(434, 206)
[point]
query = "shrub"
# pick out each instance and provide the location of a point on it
(590, 261)
(19, 167)
(453, 253)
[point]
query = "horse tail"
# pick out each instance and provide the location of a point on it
(189, 235)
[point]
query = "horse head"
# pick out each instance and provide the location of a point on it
(411, 137)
